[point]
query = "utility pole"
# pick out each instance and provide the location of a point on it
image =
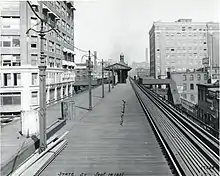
(42, 84)
(112, 77)
(102, 79)
(109, 86)
(90, 86)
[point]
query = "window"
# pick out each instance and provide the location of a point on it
(58, 63)
(198, 77)
(34, 22)
(15, 41)
(63, 24)
(10, 98)
(58, 51)
(7, 79)
(64, 38)
(63, 11)
(58, 6)
(184, 77)
(51, 46)
(17, 79)
(34, 79)
(68, 39)
(191, 86)
(34, 98)
(11, 60)
(34, 59)
(68, 28)
(51, 61)
(10, 22)
(172, 49)
(34, 41)
(6, 40)
(33, 45)
(191, 77)
(192, 97)
(205, 76)
(184, 86)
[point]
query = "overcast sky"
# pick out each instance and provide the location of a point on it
(114, 26)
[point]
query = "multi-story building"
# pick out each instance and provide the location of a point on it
(20, 52)
(186, 83)
(215, 73)
(208, 106)
(213, 43)
(137, 66)
(179, 45)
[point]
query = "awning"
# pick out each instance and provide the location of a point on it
(68, 50)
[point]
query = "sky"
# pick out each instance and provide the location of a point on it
(112, 27)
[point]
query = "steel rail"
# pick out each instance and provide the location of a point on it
(190, 152)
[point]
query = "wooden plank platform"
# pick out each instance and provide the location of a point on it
(99, 144)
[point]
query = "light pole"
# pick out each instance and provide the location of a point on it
(109, 86)
(102, 80)
(90, 86)
(89, 67)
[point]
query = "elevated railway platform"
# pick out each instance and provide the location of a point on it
(100, 143)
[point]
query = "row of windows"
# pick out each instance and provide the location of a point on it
(10, 98)
(11, 79)
(12, 22)
(10, 60)
(192, 97)
(183, 28)
(62, 9)
(14, 79)
(10, 41)
(191, 78)
(191, 86)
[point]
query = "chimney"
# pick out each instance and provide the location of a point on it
(122, 58)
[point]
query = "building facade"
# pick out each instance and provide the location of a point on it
(20, 53)
(179, 45)
(208, 106)
(186, 83)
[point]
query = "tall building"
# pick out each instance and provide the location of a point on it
(178, 45)
(20, 53)
(213, 43)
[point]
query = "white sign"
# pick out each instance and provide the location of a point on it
(29, 122)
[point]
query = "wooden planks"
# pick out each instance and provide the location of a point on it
(99, 144)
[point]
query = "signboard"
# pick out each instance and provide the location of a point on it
(29, 122)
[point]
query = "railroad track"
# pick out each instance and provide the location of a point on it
(189, 149)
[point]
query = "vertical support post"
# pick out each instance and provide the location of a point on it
(90, 86)
(42, 83)
(109, 86)
(102, 80)
(121, 81)
(112, 77)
